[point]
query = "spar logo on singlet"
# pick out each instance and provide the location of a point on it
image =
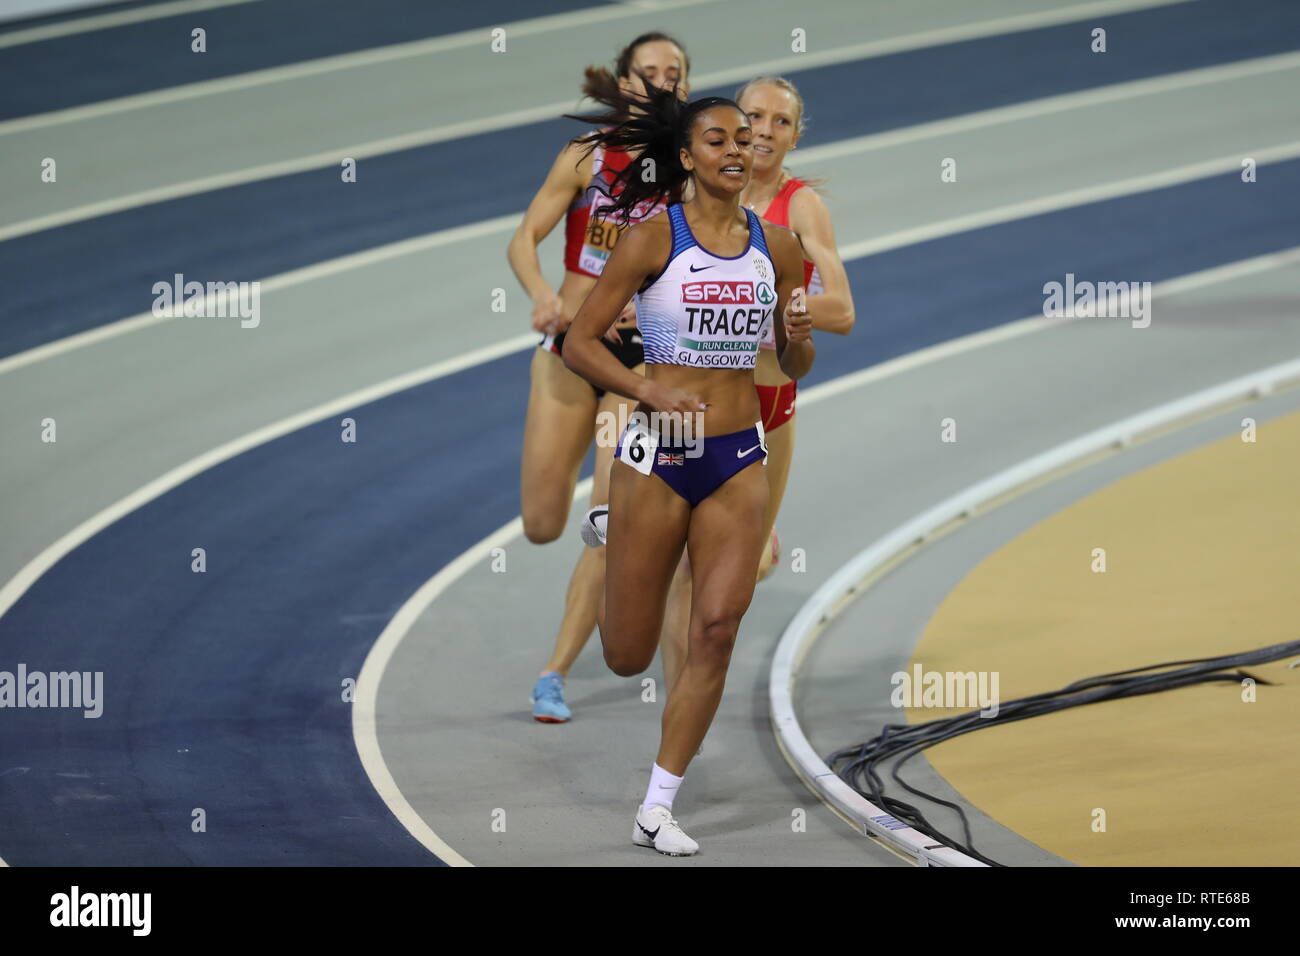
(724, 322)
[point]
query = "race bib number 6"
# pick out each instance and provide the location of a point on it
(639, 444)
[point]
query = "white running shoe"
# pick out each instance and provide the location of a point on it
(593, 526)
(656, 827)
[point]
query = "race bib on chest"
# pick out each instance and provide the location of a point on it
(600, 238)
(725, 321)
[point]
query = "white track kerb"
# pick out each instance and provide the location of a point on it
(854, 578)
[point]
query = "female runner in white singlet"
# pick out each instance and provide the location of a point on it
(709, 277)
(776, 114)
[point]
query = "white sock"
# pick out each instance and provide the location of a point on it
(662, 789)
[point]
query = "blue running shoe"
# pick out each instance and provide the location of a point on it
(548, 700)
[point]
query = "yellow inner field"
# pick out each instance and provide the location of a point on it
(1202, 559)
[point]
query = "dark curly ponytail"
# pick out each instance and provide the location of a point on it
(656, 125)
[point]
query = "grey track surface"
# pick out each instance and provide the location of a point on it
(347, 329)
(568, 791)
(132, 407)
(296, 116)
(874, 453)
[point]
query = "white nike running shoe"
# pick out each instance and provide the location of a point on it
(594, 525)
(655, 827)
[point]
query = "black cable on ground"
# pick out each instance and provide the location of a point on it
(858, 765)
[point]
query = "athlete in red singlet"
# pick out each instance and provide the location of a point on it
(778, 399)
(563, 409)
(776, 111)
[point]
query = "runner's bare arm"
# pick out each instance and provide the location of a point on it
(793, 330)
(564, 182)
(832, 310)
(630, 264)
(641, 252)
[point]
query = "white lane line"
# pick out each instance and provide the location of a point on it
(28, 576)
(284, 280)
(1065, 200)
(299, 164)
(536, 114)
(942, 36)
(365, 731)
(582, 18)
(1165, 290)
(373, 762)
(24, 579)
(372, 673)
(848, 252)
(800, 158)
(104, 21)
(1031, 109)
(31, 573)
(431, 46)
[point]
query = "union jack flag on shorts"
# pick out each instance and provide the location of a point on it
(669, 459)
